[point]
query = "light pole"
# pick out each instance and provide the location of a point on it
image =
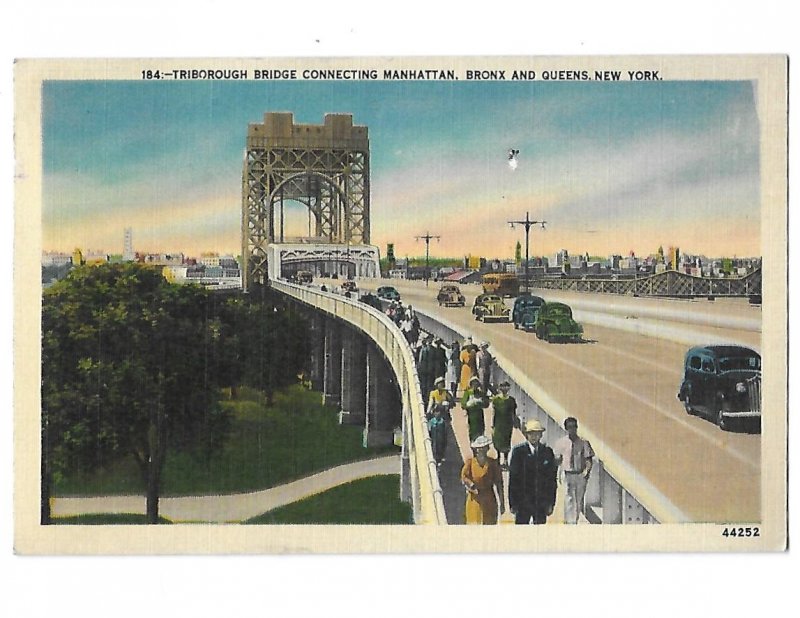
(528, 224)
(427, 238)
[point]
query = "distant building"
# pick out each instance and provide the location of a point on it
(127, 246)
(209, 259)
(464, 277)
(161, 259)
(56, 258)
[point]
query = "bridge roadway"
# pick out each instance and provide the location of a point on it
(622, 386)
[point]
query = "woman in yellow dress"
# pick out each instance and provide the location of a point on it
(481, 475)
(469, 366)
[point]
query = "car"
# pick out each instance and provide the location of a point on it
(450, 296)
(490, 307)
(388, 292)
(302, 277)
(349, 286)
(722, 382)
(555, 323)
(526, 311)
(370, 299)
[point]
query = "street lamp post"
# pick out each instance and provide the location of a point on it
(427, 238)
(528, 224)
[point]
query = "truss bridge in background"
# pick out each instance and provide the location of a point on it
(669, 283)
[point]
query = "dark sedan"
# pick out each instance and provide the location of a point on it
(723, 382)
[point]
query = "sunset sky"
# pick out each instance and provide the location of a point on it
(612, 167)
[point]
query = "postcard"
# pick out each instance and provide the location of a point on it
(401, 305)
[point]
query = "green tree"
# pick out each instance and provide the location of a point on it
(268, 343)
(129, 368)
(518, 253)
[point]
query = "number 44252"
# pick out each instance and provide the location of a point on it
(741, 532)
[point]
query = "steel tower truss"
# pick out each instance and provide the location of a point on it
(325, 167)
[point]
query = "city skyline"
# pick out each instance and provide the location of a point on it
(612, 167)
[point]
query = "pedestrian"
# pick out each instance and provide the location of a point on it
(439, 397)
(453, 367)
(473, 402)
(503, 422)
(468, 366)
(484, 361)
(532, 477)
(437, 429)
(440, 402)
(575, 457)
(439, 357)
(406, 327)
(483, 480)
(414, 319)
(426, 365)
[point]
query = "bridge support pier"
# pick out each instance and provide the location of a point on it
(383, 403)
(317, 338)
(332, 380)
(354, 376)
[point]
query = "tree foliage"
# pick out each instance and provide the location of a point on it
(132, 366)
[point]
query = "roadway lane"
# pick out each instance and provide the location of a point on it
(622, 386)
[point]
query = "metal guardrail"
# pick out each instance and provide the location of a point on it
(417, 457)
(616, 493)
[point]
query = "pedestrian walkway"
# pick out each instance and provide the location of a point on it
(229, 508)
(458, 450)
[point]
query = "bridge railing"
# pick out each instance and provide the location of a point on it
(616, 493)
(417, 456)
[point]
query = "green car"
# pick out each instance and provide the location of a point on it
(555, 323)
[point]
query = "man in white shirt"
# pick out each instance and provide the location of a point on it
(575, 457)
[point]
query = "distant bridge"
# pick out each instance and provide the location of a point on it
(668, 284)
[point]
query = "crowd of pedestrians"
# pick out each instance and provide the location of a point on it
(534, 468)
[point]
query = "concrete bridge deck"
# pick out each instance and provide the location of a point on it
(622, 387)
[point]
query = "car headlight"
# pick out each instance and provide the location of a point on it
(741, 387)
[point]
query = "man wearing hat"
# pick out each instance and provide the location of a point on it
(473, 402)
(532, 477)
(426, 365)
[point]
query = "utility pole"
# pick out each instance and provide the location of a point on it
(427, 238)
(528, 224)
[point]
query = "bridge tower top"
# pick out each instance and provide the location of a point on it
(280, 130)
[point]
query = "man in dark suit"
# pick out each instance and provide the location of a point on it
(532, 477)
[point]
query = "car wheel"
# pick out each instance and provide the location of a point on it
(688, 406)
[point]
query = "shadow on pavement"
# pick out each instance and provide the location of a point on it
(450, 480)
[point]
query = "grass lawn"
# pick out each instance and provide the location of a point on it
(101, 519)
(267, 446)
(373, 500)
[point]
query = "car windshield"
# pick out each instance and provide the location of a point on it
(492, 299)
(738, 363)
(559, 310)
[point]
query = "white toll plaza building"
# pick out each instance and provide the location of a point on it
(323, 260)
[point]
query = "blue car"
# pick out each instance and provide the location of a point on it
(526, 311)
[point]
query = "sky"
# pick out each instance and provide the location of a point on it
(612, 167)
